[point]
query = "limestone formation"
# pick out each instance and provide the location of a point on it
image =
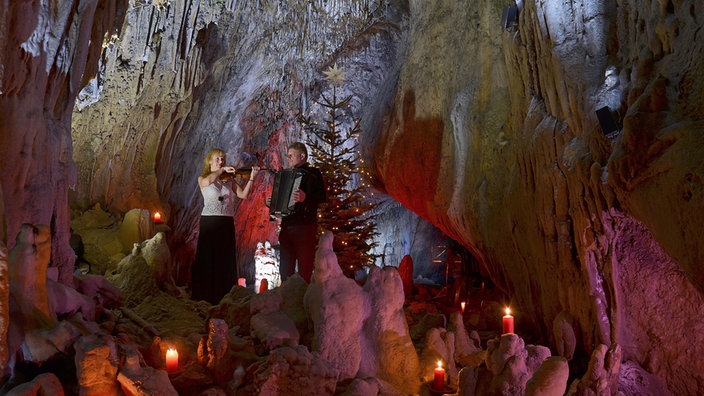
(137, 379)
(4, 305)
(638, 381)
(97, 363)
(389, 353)
(338, 308)
(274, 330)
(361, 331)
(235, 309)
(42, 384)
(488, 133)
(41, 345)
(602, 375)
(103, 249)
(28, 263)
(64, 300)
(550, 379)
(512, 363)
(266, 302)
(361, 387)
(158, 257)
(269, 324)
(48, 52)
(388, 361)
(439, 346)
(468, 351)
(135, 278)
(292, 297)
(295, 372)
(513, 368)
(135, 227)
(563, 329)
(103, 293)
(468, 383)
(215, 344)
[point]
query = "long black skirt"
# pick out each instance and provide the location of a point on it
(214, 271)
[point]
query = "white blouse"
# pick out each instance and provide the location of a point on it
(218, 199)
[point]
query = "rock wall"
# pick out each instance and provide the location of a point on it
(489, 134)
(502, 126)
(189, 76)
(47, 52)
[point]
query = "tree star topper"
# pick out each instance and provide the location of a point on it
(335, 75)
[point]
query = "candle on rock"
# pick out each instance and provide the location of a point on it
(508, 321)
(462, 305)
(439, 377)
(242, 282)
(171, 360)
(157, 218)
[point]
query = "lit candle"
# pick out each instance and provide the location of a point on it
(157, 218)
(508, 321)
(171, 360)
(462, 305)
(242, 282)
(439, 378)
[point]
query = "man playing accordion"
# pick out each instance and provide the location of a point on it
(299, 228)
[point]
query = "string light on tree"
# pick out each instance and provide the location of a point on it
(347, 212)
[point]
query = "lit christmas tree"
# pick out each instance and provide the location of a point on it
(348, 212)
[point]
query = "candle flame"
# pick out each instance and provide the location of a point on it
(508, 311)
(439, 363)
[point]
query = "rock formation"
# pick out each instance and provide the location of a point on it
(28, 263)
(361, 332)
(48, 53)
(488, 133)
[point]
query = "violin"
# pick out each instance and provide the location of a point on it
(244, 173)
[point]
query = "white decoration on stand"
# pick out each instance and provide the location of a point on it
(266, 266)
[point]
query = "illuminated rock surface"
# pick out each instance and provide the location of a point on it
(488, 135)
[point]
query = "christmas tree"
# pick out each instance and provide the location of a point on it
(348, 212)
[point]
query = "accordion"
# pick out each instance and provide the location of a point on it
(285, 183)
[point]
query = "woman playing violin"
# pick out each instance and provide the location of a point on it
(214, 271)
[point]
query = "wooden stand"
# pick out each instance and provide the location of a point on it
(440, 254)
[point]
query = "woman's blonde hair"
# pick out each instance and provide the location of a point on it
(206, 161)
